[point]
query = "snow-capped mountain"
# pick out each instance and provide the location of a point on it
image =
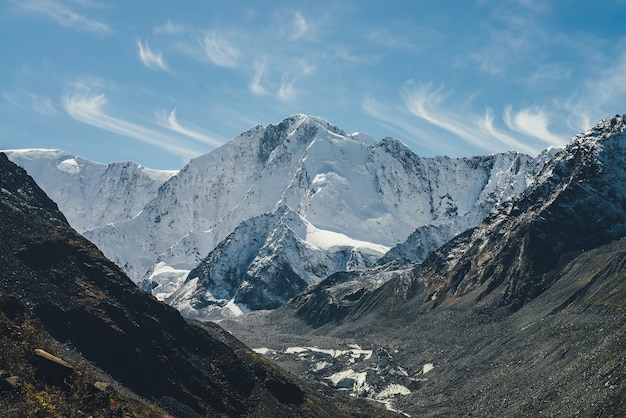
(431, 236)
(374, 193)
(295, 202)
(91, 194)
(524, 312)
(577, 203)
(263, 263)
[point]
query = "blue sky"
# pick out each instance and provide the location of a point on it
(160, 82)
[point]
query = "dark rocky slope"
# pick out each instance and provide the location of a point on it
(522, 316)
(58, 292)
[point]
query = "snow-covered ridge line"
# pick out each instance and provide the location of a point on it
(91, 194)
(308, 198)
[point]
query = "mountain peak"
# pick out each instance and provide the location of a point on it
(608, 126)
(308, 120)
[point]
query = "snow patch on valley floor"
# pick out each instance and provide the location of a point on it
(393, 390)
(427, 367)
(368, 374)
(354, 353)
(350, 380)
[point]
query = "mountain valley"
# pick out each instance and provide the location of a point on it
(484, 286)
(522, 315)
(80, 339)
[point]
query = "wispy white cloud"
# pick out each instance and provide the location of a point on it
(40, 104)
(602, 94)
(171, 122)
(151, 59)
(43, 105)
(87, 107)
(260, 67)
(427, 103)
(169, 28)
(280, 82)
(286, 91)
(487, 126)
(299, 26)
(62, 15)
(219, 51)
(390, 120)
(531, 121)
(423, 101)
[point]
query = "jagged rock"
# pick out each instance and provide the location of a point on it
(104, 387)
(101, 386)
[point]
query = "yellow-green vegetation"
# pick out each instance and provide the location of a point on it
(395, 300)
(270, 368)
(42, 402)
(615, 297)
(24, 392)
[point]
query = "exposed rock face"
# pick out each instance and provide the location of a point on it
(262, 264)
(85, 301)
(578, 203)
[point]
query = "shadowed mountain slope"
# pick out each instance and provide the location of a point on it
(66, 288)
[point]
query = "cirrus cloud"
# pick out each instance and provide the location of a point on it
(218, 50)
(171, 122)
(151, 59)
(87, 106)
(531, 121)
(63, 15)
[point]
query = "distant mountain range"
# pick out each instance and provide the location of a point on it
(274, 210)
